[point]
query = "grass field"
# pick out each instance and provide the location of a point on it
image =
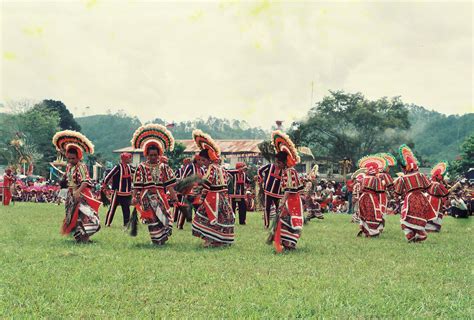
(333, 274)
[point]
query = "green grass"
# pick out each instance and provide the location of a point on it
(333, 274)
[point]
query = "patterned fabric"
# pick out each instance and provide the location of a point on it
(214, 220)
(370, 213)
(82, 217)
(410, 182)
(77, 174)
(291, 219)
(121, 176)
(270, 175)
(152, 180)
(437, 194)
(416, 210)
(291, 182)
(159, 221)
(238, 181)
(152, 176)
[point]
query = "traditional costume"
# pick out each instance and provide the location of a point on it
(437, 196)
(370, 212)
(8, 182)
(357, 177)
(152, 180)
(387, 181)
(237, 190)
(121, 176)
(288, 223)
(270, 177)
(82, 214)
(214, 220)
(189, 200)
(416, 210)
(311, 204)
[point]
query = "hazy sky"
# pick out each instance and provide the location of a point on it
(247, 60)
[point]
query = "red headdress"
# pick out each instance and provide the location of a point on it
(407, 158)
(372, 163)
(390, 158)
(358, 174)
(153, 135)
(283, 143)
(125, 156)
(204, 142)
(439, 171)
(186, 161)
(240, 165)
(68, 139)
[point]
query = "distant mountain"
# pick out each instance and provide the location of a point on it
(437, 136)
(114, 131)
(109, 132)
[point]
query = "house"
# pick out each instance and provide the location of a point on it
(232, 151)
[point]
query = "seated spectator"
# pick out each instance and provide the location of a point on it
(458, 207)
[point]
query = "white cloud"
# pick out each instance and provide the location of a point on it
(253, 61)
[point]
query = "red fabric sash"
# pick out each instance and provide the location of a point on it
(277, 238)
(93, 203)
(211, 205)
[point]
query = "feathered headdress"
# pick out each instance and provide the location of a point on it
(372, 163)
(358, 173)
(314, 172)
(407, 158)
(283, 143)
(439, 170)
(153, 135)
(390, 158)
(68, 139)
(205, 142)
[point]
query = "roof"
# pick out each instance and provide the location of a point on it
(227, 147)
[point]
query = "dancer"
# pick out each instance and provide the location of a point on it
(357, 177)
(152, 179)
(237, 191)
(82, 218)
(214, 220)
(8, 182)
(121, 177)
(370, 213)
(189, 200)
(288, 223)
(437, 196)
(270, 177)
(416, 210)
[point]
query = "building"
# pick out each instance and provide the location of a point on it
(232, 151)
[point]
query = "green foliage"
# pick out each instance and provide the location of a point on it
(437, 136)
(331, 275)
(38, 126)
(109, 132)
(176, 157)
(66, 119)
(216, 127)
(466, 160)
(348, 125)
(267, 150)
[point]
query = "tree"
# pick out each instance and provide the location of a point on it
(348, 125)
(466, 160)
(29, 133)
(176, 157)
(66, 119)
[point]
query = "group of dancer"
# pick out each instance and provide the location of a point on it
(199, 191)
(200, 185)
(423, 199)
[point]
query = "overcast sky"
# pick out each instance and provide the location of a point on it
(247, 60)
